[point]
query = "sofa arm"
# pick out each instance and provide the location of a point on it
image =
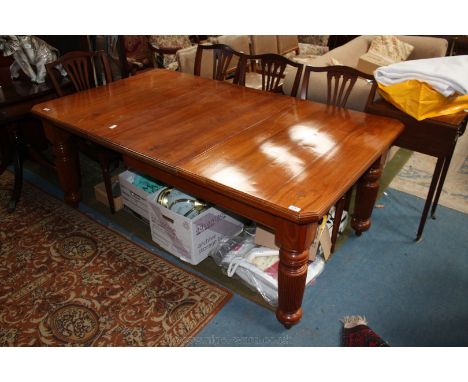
(426, 47)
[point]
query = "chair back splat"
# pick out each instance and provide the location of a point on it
(85, 70)
(340, 82)
(272, 68)
(222, 55)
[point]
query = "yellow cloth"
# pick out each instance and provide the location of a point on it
(421, 101)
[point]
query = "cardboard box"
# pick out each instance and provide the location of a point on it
(190, 239)
(133, 197)
(101, 195)
(266, 238)
(369, 62)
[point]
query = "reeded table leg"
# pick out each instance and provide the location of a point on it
(66, 162)
(294, 241)
(366, 195)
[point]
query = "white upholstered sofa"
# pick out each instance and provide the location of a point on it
(348, 54)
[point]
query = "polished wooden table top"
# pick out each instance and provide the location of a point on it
(278, 153)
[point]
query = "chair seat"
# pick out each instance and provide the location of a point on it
(252, 80)
(305, 59)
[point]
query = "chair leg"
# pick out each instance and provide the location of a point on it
(105, 164)
(18, 167)
(339, 208)
(349, 194)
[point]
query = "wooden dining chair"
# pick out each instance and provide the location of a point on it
(222, 56)
(240, 43)
(340, 83)
(272, 68)
(87, 70)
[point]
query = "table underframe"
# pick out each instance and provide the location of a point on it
(293, 238)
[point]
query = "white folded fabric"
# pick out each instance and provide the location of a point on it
(447, 75)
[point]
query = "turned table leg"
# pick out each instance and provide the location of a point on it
(294, 241)
(366, 195)
(66, 162)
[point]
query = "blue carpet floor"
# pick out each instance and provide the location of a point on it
(413, 294)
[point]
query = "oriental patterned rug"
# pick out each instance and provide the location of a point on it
(68, 280)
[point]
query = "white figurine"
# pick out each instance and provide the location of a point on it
(29, 52)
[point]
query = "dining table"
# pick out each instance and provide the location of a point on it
(277, 160)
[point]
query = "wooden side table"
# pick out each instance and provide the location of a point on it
(436, 137)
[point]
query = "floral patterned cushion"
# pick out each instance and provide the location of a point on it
(307, 52)
(312, 49)
(391, 47)
(169, 61)
(315, 40)
(170, 41)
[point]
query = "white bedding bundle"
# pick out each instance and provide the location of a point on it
(447, 75)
